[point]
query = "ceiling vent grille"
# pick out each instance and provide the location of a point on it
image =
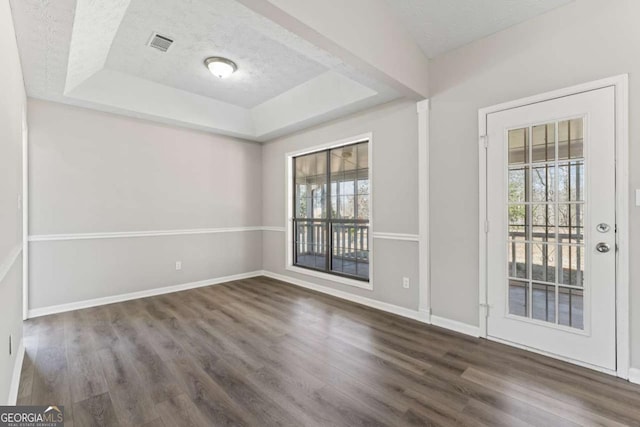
(160, 42)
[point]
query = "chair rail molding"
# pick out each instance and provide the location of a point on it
(396, 236)
(150, 233)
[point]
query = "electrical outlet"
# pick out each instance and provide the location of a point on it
(405, 282)
(178, 265)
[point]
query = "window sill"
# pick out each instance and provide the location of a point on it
(332, 278)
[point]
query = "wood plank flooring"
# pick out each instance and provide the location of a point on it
(260, 352)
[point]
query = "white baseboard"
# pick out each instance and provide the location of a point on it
(454, 325)
(634, 375)
(423, 316)
(425, 313)
(15, 377)
(44, 311)
(389, 308)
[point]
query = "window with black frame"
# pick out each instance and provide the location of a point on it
(331, 211)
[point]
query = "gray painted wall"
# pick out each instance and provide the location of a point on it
(395, 197)
(94, 172)
(581, 42)
(12, 106)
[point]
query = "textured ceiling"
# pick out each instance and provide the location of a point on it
(442, 25)
(94, 54)
(202, 28)
(94, 27)
(43, 30)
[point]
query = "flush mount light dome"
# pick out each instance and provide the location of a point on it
(220, 67)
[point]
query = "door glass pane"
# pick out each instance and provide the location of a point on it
(571, 182)
(518, 146)
(570, 139)
(544, 302)
(518, 256)
(518, 224)
(545, 202)
(571, 307)
(543, 221)
(518, 184)
(543, 145)
(543, 262)
(519, 298)
(572, 261)
(543, 183)
(571, 223)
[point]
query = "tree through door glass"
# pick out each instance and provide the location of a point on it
(546, 216)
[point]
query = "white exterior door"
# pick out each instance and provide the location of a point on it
(551, 255)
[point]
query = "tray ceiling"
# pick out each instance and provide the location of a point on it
(299, 62)
(200, 29)
(95, 54)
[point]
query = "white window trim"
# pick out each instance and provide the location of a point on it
(289, 212)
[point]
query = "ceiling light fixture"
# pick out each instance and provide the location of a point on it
(220, 67)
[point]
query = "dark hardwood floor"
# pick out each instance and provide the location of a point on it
(261, 352)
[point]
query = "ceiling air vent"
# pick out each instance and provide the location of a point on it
(160, 42)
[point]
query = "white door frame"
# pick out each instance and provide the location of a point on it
(621, 84)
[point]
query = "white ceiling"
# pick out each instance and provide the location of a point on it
(94, 54)
(200, 29)
(443, 25)
(299, 65)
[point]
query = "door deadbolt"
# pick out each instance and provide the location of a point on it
(602, 227)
